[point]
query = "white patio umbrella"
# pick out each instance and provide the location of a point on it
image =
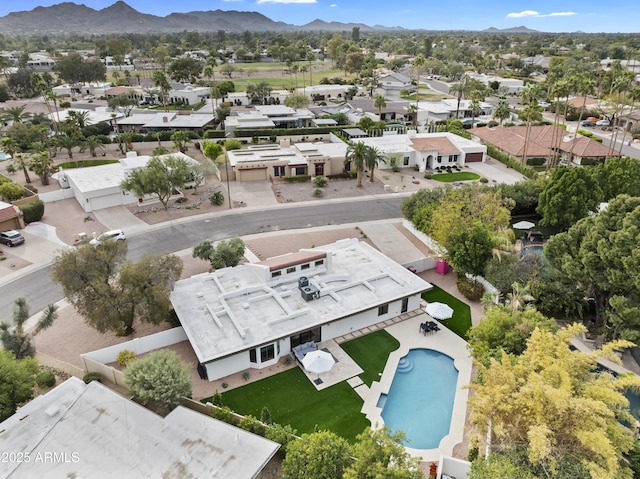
(318, 362)
(439, 310)
(523, 225)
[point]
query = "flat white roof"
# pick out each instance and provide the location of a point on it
(402, 143)
(95, 432)
(234, 309)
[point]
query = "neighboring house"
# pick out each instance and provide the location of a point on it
(88, 430)
(10, 217)
(269, 116)
(427, 150)
(514, 86)
(395, 111)
(41, 62)
(579, 101)
(190, 95)
(98, 187)
(538, 61)
(100, 114)
(511, 140)
(240, 98)
(251, 315)
(262, 162)
(392, 83)
(131, 92)
(443, 110)
(325, 92)
(154, 120)
(96, 89)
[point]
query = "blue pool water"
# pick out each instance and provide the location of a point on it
(420, 401)
(4, 156)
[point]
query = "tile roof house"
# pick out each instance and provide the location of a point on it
(512, 141)
(88, 430)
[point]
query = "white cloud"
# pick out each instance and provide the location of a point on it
(533, 13)
(333, 5)
(286, 1)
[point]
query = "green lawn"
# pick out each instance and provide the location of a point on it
(461, 320)
(85, 163)
(458, 176)
(362, 351)
(292, 399)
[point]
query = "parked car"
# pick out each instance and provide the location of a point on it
(602, 123)
(117, 235)
(11, 238)
(587, 123)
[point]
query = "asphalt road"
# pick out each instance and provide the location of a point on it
(39, 290)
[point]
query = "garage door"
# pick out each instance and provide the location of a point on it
(473, 157)
(107, 201)
(257, 174)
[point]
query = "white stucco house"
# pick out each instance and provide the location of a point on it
(98, 187)
(428, 150)
(88, 430)
(251, 315)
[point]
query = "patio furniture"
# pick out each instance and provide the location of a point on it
(301, 350)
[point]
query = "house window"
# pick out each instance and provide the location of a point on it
(291, 270)
(382, 310)
(406, 161)
(278, 171)
(305, 266)
(305, 337)
(252, 356)
(300, 170)
(439, 159)
(320, 262)
(275, 274)
(453, 158)
(319, 169)
(405, 305)
(347, 166)
(267, 353)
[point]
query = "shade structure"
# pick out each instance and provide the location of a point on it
(318, 362)
(439, 310)
(523, 225)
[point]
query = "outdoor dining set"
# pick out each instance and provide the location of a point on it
(429, 327)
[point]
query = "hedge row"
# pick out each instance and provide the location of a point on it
(511, 162)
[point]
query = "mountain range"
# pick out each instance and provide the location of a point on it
(68, 17)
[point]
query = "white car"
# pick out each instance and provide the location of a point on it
(602, 123)
(117, 235)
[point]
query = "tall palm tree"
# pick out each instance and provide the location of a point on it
(356, 155)
(418, 64)
(460, 90)
(379, 102)
(633, 97)
(560, 89)
(620, 85)
(161, 81)
(532, 112)
(476, 97)
(372, 159)
(209, 72)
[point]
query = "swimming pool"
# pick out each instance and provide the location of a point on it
(420, 400)
(4, 156)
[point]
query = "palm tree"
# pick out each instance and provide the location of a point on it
(22, 162)
(372, 159)
(633, 97)
(79, 118)
(160, 81)
(15, 114)
(476, 97)
(93, 144)
(66, 142)
(621, 84)
(460, 90)
(558, 90)
(418, 63)
(356, 155)
(42, 165)
(532, 112)
(502, 111)
(180, 140)
(16, 339)
(379, 103)
(209, 72)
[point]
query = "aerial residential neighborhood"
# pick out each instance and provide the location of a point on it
(319, 242)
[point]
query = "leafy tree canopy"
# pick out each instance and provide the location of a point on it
(227, 253)
(17, 379)
(321, 455)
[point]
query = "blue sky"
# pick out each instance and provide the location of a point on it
(542, 15)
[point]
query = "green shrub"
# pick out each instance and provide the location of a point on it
(320, 181)
(537, 161)
(216, 399)
(125, 357)
(511, 162)
(214, 134)
(45, 379)
(92, 377)
(33, 211)
(282, 434)
(65, 104)
(217, 198)
(469, 288)
(11, 191)
(317, 192)
(484, 180)
(225, 414)
(428, 176)
(297, 179)
(251, 424)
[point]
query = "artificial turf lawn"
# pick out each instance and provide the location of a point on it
(371, 353)
(461, 320)
(451, 177)
(292, 399)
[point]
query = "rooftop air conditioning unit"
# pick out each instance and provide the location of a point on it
(303, 281)
(309, 293)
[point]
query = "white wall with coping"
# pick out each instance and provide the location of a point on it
(427, 240)
(452, 467)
